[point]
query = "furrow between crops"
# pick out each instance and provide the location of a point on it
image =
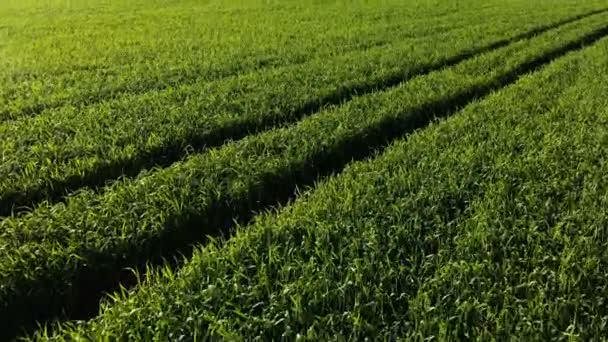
(32, 176)
(62, 258)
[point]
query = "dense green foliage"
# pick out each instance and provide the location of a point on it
(135, 131)
(69, 147)
(490, 224)
(86, 50)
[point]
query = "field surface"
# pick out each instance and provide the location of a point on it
(303, 170)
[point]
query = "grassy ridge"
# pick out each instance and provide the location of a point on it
(491, 224)
(51, 257)
(63, 150)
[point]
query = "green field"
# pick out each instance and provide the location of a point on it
(424, 170)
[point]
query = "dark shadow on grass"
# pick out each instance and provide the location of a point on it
(19, 202)
(89, 285)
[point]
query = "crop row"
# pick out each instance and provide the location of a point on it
(60, 151)
(137, 64)
(489, 225)
(54, 257)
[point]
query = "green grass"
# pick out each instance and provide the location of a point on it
(489, 224)
(64, 149)
(58, 252)
(437, 169)
(72, 60)
(217, 44)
